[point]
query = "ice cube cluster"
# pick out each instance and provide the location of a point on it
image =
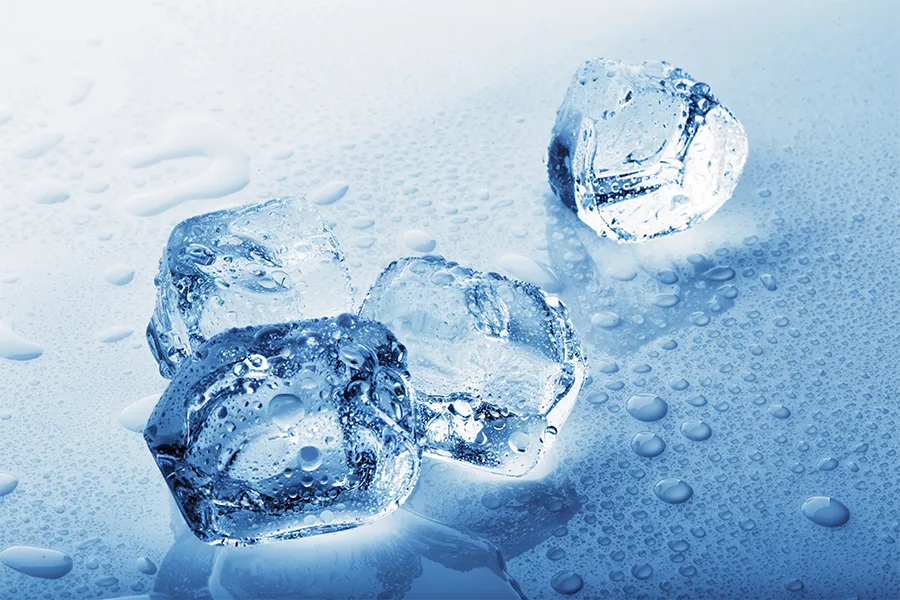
(288, 416)
(641, 151)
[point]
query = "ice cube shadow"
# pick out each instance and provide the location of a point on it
(602, 276)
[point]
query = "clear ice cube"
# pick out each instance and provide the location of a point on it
(495, 362)
(266, 263)
(640, 151)
(282, 431)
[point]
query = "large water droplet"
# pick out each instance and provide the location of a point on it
(696, 431)
(647, 444)
(532, 271)
(673, 490)
(135, 416)
(329, 193)
(825, 511)
(567, 582)
(646, 407)
(418, 240)
(286, 410)
(37, 562)
(15, 347)
(8, 483)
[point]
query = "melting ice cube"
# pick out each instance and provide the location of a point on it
(495, 362)
(267, 263)
(640, 151)
(281, 431)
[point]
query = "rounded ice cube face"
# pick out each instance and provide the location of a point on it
(266, 263)
(495, 362)
(640, 151)
(281, 431)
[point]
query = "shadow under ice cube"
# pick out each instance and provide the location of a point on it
(282, 431)
(640, 151)
(266, 263)
(495, 362)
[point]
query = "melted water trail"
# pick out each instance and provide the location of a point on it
(195, 136)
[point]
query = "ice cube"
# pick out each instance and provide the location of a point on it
(266, 263)
(495, 362)
(640, 151)
(281, 431)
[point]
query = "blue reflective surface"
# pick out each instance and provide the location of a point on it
(774, 322)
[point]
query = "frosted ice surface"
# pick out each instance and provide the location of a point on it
(640, 151)
(281, 431)
(496, 362)
(267, 263)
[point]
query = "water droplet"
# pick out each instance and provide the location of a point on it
(697, 400)
(145, 566)
(696, 431)
(597, 397)
(679, 384)
(825, 511)
(286, 410)
(329, 193)
(827, 464)
(116, 333)
(643, 571)
(532, 271)
(310, 458)
(119, 274)
(519, 441)
(135, 416)
(567, 582)
(48, 191)
(768, 282)
(667, 276)
(665, 300)
(418, 240)
(15, 347)
(646, 407)
(39, 144)
(719, 274)
(606, 320)
(8, 483)
(779, 411)
(607, 366)
(647, 444)
(673, 490)
(37, 562)
(81, 87)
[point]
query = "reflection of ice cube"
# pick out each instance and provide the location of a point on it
(640, 151)
(280, 431)
(402, 556)
(267, 263)
(495, 361)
